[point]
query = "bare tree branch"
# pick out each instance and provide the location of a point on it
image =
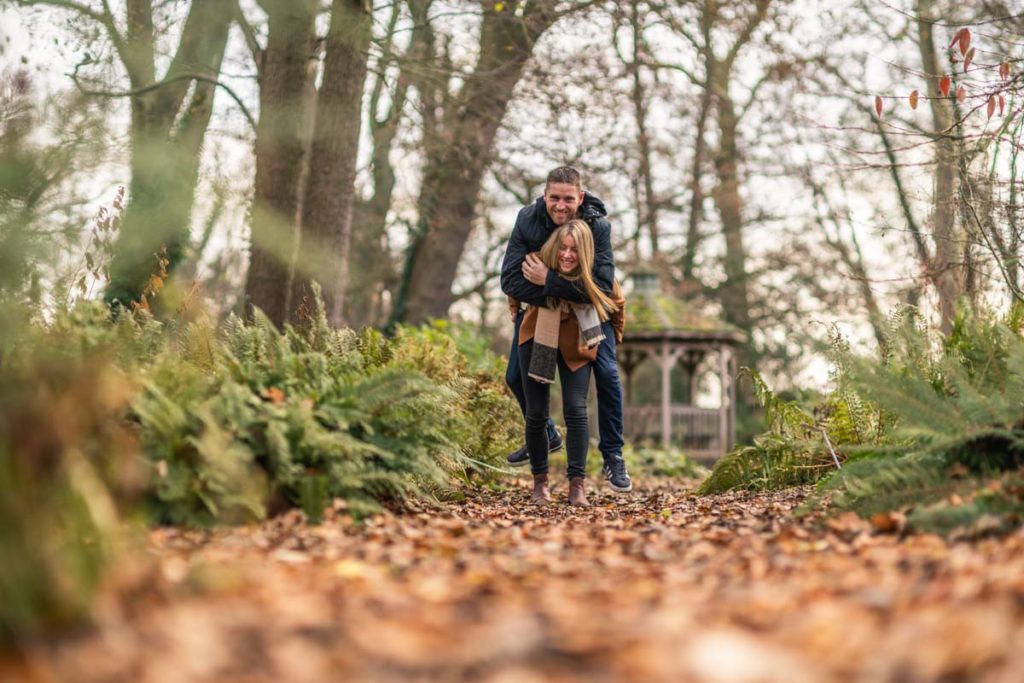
(250, 37)
(104, 18)
(160, 84)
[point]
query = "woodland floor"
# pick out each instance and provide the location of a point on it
(658, 585)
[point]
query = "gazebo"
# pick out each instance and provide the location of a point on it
(671, 333)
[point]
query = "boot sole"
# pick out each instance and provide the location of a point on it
(620, 489)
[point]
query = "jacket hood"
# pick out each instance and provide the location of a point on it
(592, 207)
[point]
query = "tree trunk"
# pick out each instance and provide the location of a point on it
(696, 214)
(281, 137)
(330, 187)
(647, 213)
(371, 271)
(944, 270)
(166, 141)
(454, 170)
(734, 295)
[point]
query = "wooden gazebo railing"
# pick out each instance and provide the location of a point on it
(698, 431)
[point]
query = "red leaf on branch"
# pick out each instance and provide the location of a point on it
(1002, 104)
(956, 37)
(991, 106)
(968, 59)
(878, 105)
(913, 100)
(1004, 70)
(965, 40)
(944, 84)
(961, 93)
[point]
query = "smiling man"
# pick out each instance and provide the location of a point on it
(527, 280)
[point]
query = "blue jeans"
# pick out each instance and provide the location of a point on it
(606, 380)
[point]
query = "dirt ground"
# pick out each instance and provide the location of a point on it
(658, 585)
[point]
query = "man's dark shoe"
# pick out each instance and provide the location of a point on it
(614, 471)
(555, 444)
(521, 457)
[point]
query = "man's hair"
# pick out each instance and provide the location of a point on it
(567, 175)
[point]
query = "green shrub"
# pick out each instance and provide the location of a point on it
(67, 473)
(236, 419)
(931, 423)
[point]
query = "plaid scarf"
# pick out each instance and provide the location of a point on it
(590, 325)
(544, 359)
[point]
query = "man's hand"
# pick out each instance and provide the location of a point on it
(534, 270)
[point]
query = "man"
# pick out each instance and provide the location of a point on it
(530, 281)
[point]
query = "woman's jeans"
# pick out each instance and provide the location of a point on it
(574, 409)
(606, 380)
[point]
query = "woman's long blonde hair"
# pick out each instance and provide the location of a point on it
(584, 272)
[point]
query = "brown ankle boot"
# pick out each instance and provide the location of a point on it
(541, 493)
(578, 493)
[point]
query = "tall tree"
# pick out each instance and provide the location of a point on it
(169, 118)
(460, 152)
(371, 268)
(945, 265)
(330, 187)
(285, 70)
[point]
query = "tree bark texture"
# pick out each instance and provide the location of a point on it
(647, 213)
(734, 295)
(330, 186)
(696, 214)
(944, 270)
(281, 138)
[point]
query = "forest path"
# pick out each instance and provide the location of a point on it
(658, 585)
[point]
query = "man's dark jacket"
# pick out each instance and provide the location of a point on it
(533, 227)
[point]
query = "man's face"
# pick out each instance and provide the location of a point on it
(562, 200)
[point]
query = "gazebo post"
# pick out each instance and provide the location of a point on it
(726, 406)
(666, 395)
(667, 358)
(733, 372)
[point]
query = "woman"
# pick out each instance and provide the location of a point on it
(563, 335)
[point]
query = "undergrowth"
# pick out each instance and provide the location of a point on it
(933, 428)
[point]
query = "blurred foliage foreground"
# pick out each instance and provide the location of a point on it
(105, 419)
(928, 436)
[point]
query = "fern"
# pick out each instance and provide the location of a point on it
(798, 446)
(875, 485)
(901, 424)
(953, 404)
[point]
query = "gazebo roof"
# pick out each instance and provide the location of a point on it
(653, 315)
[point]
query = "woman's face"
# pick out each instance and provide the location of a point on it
(568, 258)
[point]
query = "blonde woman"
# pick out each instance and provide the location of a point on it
(565, 336)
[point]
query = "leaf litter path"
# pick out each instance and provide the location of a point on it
(660, 585)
